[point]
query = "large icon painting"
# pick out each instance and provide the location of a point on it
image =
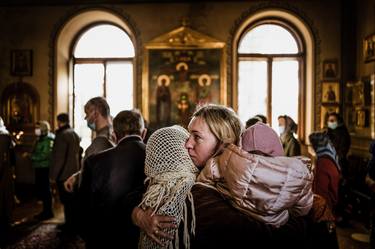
(180, 78)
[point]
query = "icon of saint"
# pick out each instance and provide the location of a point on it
(163, 101)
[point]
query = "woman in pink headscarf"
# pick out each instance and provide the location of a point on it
(259, 180)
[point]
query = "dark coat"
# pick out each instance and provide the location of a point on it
(220, 225)
(291, 146)
(6, 181)
(341, 140)
(371, 162)
(65, 154)
(112, 185)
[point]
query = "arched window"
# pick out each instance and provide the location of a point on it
(103, 59)
(270, 58)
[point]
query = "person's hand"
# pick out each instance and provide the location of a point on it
(53, 185)
(370, 183)
(69, 183)
(153, 225)
(372, 187)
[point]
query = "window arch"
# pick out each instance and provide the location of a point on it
(100, 67)
(103, 66)
(261, 39)
(104, 40)
(273, 74)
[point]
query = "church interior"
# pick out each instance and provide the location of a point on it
(301, 58)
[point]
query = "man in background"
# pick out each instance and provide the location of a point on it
(99, 121)
(112, 185)
(65, 161)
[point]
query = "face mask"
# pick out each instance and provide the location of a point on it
(332, 125)
(38, 132)
(91, 125)
(281, 129)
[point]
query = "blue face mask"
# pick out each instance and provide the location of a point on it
(332, 125)
(91, 125)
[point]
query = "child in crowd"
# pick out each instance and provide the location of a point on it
(259, 180)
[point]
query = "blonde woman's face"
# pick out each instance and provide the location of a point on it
(201, 143)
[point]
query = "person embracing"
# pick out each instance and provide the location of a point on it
(214, 220)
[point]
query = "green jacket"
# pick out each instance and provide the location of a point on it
(41, 154)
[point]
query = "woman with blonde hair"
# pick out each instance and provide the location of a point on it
(216, 224)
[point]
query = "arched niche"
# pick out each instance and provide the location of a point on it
(20, 106)
(20, 109)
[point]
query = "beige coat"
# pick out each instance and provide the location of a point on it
(266, 188)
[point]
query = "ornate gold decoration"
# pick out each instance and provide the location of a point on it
(184, 37)
(187, 41)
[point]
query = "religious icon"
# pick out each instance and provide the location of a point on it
(203, 91)
(358, 94)
(178, 80)
(182, 69)
(183, 106)
(163, 101)
(330, 92)
(369, 48)
(21, 62)
(330, 69)
(362, 118)
(20, 109)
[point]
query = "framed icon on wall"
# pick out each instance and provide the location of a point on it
(21, 62)
(330, 69)
(369, 48)
(330, 92)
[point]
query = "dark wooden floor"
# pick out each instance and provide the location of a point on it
(27, 233)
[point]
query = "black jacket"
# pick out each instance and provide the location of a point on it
(341, 140)
(112, 185)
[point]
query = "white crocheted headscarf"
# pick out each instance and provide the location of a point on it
(170, 174)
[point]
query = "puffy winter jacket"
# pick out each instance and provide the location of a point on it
(267, 188)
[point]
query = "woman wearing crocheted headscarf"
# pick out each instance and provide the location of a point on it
(210, 128)
(170, 175)
(259, 180)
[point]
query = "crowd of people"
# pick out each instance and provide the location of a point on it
(211, 185)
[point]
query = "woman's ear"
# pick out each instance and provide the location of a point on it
(114, 137)
(95, 113)
(144, 133)
(220, 146)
